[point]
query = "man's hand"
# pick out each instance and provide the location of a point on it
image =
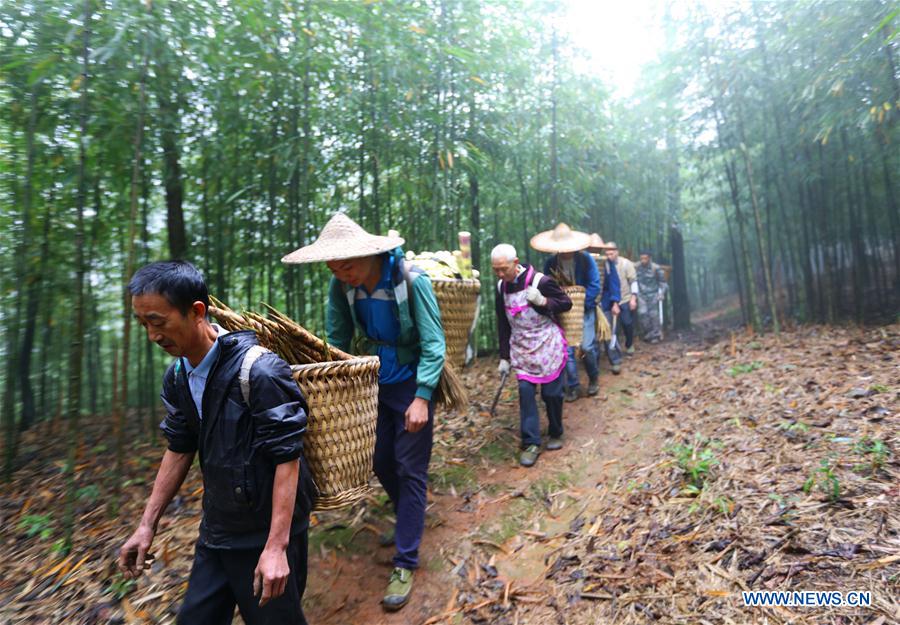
(503, 367)
(133, 554)
(534, 296)
(615, 309)
(632, 303)
(417, 415)
(271, 574)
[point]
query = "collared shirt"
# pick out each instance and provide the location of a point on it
(197, 375)
(377, 313)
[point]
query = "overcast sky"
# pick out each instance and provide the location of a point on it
(619, 35)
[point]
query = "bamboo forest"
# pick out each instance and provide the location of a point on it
(729, 453)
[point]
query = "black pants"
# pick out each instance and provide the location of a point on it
(223, 578)
(626, 320)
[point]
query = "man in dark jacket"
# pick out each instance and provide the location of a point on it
(257, 490)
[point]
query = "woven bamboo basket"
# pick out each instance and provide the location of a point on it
(340, 438)
(458, 301)
(342, 393)
(573, 319)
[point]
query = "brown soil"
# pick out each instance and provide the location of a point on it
(800, 494)
(603, 434)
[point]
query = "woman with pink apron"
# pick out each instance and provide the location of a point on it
(532, 344)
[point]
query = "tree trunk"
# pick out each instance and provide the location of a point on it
(734, 260)
(893, 211)
(753, 309)
(32, 279)
(767, 272)
(860, 266)
(76, 350)
(878, 268)
(174, 184)
(681, 305)
(554, 157)
(122, 405)
(474, 199)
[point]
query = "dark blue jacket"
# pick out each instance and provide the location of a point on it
(612, 290)
(240, 445)
(586, 275)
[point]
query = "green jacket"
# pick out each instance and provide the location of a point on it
(421, 332)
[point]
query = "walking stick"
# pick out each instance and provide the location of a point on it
(661, 324)
(503, 379)
(614, 341)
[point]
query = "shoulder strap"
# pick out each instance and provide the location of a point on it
(250, 357)
(406, 285)
(536, 280)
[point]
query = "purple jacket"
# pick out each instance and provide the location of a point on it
(557, 302)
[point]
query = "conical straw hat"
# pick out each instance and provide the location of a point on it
(560, 240)
(342, 238)
(597, 244)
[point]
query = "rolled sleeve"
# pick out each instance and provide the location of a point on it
(431, 334)
(175, 428)
(279, 410)
(338, 317)
(180, 437)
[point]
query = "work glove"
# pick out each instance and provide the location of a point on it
(534, 296)
(503, 367)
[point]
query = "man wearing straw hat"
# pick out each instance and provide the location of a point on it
(571, 264)
(257, 489)
(379, 305)
(532, 344)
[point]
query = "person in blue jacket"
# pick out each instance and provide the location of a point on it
(381, 306)
(572, 264)
(611, 304)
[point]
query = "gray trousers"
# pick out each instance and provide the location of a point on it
(648, 316)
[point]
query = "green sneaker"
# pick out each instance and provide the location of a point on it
(554, 443)
(529, 455)
(630, 351)
(616, 369)
(398, 590)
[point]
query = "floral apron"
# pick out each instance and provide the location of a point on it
(537, 346)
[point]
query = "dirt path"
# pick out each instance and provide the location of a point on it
(708, 468)
(486, 501)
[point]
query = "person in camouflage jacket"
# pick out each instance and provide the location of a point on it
(652, 287)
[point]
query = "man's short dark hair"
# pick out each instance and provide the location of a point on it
(176, 280)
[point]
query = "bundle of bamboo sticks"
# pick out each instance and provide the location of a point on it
(297, 345)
